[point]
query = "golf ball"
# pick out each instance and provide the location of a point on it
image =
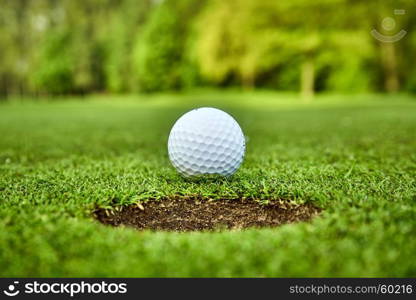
(206, 141)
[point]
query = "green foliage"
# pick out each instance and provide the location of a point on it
(126, 46)
(351, 155)
(347, 58)
(264, 42)
(409, 75)
(124, 30)
(71, 54)
(158, 54)
(55, 68)
(161, 51)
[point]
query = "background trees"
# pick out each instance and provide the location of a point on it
(161, 57)
(60, 47)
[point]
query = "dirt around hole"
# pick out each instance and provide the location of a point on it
(188, 214)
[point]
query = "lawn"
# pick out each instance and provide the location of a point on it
(352, 156)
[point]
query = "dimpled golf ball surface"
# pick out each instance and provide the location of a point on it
(206, 141)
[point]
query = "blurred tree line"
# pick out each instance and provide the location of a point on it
(121, 46)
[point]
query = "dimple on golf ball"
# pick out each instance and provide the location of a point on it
(206, 141)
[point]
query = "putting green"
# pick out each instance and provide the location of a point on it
(352, 156)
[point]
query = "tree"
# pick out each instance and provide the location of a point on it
(160, 52)
(246, 39)
(125, 27)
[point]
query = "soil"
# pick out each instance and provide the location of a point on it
(190, 214)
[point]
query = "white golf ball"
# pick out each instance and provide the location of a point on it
(206, 141)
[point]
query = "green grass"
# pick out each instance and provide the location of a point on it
(354, 156)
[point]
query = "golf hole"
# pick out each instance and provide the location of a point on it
(191, 214)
